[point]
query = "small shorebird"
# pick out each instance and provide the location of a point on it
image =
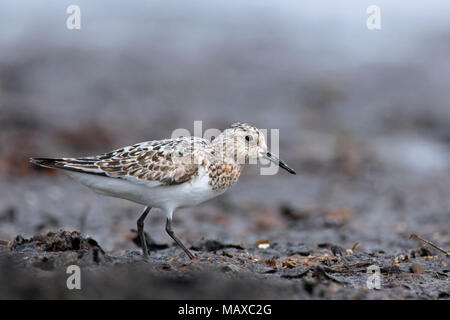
(171, 173)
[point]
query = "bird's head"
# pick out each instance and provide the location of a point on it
(244, 142)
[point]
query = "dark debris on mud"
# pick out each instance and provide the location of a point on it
(220, 271)
(56, 241)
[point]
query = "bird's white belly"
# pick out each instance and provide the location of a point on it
(168, 197)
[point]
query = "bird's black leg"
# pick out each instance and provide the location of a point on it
(140, 227)
(172, 235)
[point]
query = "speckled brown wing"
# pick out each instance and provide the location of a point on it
(168, 162)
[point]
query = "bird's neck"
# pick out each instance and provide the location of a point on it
(226, 150)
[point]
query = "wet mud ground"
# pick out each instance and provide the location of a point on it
(309, 244)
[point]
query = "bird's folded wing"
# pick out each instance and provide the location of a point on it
(165, 162)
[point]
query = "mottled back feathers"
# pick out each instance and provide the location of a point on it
(168, 162)
(159, 162)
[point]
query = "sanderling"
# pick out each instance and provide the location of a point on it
(171, 173)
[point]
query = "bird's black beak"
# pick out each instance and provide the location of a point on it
(279, 162)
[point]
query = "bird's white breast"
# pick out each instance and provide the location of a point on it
(168, 197)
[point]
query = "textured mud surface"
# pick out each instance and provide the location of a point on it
(36, 267)
(287, 264)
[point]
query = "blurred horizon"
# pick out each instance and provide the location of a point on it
(176, 62)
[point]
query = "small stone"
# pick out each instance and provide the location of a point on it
(417, 268)
(263, 244)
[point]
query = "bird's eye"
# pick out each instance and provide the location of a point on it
(248, 138)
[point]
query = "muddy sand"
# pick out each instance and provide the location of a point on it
(245, 249)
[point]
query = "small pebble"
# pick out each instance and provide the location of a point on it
(417, 268)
